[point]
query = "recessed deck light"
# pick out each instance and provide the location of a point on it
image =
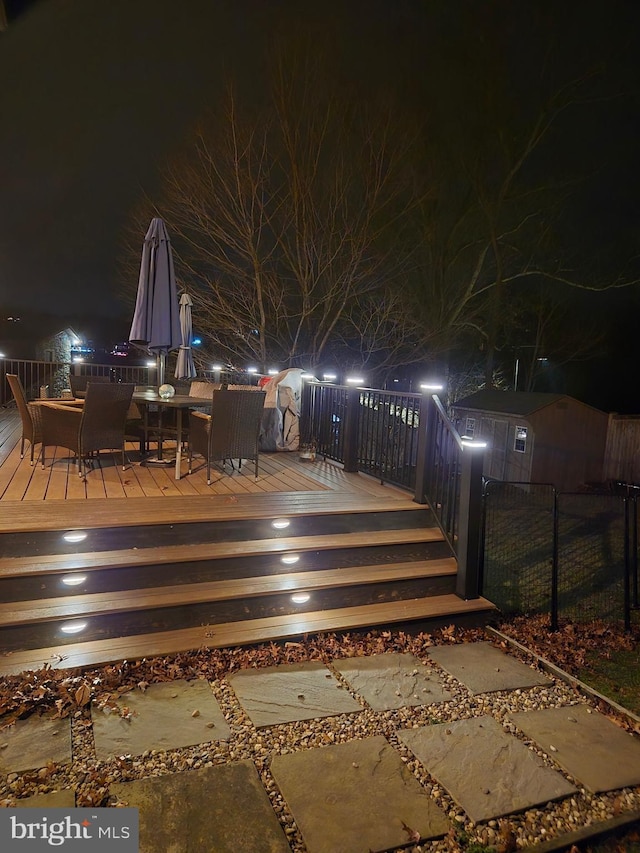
(74, 580)
(300, 597)
(280, 523)
(73, 627)
(75, 536)
(290, 559)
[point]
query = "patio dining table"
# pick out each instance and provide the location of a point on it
(146, 397)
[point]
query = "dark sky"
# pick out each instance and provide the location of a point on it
(94, 95)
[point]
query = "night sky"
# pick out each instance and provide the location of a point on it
(96, 95)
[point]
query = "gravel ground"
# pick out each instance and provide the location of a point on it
(71, 693)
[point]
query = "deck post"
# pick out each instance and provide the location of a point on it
(426, 429)
(351, 428)
(470, 522)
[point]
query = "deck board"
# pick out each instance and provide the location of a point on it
(92, 604)
(92, 560)
(230, 634)
(33, 498)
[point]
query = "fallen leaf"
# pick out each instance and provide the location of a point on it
(412, 834)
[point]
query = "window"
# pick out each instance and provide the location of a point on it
(520, 442)
(470, 427)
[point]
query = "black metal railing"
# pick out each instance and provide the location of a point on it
(571, 555)
(53, 376)
(407, 440)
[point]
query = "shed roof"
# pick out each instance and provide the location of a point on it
(510, 402)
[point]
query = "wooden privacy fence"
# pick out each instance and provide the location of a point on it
(622, 451)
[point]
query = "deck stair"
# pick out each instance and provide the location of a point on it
(216, 574)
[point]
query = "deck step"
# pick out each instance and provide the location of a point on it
(13, 567)
(179, 595)
(106, 512)
(97, 652)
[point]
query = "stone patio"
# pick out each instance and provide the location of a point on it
(369, 753)
(165, 716)
(392, 680)
(484, 669)
(35, 742)
(487, 771)
(356, 797)
(217, 809)
(588, 746)
(282, 694)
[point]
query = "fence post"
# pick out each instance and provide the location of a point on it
(351, 428)
(555, 568)
(470, 522)
(627, 563)
(634, 549)
(426, 432)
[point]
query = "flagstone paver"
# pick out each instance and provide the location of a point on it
(54, 800)
(356, 797)
(165, 716)
(592, 749)
(291, 692)
(486, 770)
(391, 680)
(221, 809)
(484, 669)
(35, 742)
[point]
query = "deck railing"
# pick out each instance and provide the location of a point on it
(405, 439)
(54, 375)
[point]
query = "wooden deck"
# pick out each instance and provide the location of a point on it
(107, 485)
(168, 565)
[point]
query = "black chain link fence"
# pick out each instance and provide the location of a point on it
(570, 555)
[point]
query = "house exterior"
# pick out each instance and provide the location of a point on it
(536, 437)
(56, 346)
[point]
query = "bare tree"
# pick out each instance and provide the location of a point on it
(286, 223)
(491, 229)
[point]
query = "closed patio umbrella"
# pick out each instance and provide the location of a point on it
(185, 368)
(156, 322)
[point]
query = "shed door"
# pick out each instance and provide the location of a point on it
(495, 433)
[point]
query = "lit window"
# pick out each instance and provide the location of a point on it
(470, 427)
(520, 442)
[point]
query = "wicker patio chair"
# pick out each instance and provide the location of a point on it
(30, 415)
(231, 430)
(99, 425)
(78, 384)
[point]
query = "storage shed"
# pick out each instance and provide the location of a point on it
(535, 437)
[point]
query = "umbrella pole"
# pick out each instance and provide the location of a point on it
(160, 365)
(161, 360)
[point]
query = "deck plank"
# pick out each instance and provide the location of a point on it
(96, 652)
(92, 560)
(87, 514)
(177, 595)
